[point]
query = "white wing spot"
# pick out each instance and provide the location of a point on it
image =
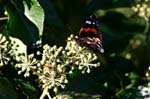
(88, 22)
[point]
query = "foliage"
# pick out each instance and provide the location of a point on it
(36, 60)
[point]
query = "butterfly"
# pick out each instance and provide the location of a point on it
(89, 35)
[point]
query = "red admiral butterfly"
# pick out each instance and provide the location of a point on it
(89, 35)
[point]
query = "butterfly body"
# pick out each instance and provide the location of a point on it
(89, 35)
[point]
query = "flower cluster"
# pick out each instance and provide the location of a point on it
(5, 50)
(80, 56)
(53, 73)
(144, 91)
(57, 63)
(26, 64)
(147, 74)
(142, 8)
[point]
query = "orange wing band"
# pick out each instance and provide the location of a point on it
(93, 30)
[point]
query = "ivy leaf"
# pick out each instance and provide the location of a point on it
(35, 14)
(25, 21)
(6, 89)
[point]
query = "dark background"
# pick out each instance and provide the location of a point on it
(125, 62)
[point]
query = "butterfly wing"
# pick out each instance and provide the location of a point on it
(90, 42)
(89, 35)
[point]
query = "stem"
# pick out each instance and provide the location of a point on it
(148, 44)
(3, 18)
(44, 93)
(147, 25)
(48, 95)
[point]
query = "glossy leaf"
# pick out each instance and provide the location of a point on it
(6, 89)
(25, 21)
(35, 14)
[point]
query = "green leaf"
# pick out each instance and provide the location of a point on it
(35, 14)
(25, 21)
(26, 88)
(6, 89)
